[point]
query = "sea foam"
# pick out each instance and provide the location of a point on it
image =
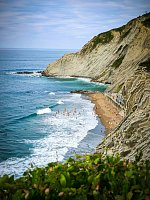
(52, 93)
(43, 111)
(60, 102)
(65, 130)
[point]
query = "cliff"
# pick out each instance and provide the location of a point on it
(121, 57)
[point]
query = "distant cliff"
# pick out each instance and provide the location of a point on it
(121, 57)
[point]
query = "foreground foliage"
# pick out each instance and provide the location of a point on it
(89, 177)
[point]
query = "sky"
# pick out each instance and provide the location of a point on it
(62, 24)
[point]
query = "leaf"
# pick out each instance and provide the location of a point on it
(71, 168)
(68, 176)
(95, 193)
(4, 179)
(69, 160)
(135, 187)
(112, 171)
(129, 174)
(90, 179)
(96, 161)
(63, 180)
(118, 197)
(88, 158)
(129, 195)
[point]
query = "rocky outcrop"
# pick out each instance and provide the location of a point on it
(133, 133)
(121, 57)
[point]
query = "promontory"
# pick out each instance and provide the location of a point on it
(121, 58)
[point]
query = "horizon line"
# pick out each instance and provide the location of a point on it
(38, 48)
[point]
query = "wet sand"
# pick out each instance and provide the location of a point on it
(106, 110)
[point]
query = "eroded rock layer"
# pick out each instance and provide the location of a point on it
(133, 133)
(120, 57)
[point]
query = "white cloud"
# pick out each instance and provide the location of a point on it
(56, 19)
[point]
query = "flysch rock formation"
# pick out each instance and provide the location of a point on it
(120, 57)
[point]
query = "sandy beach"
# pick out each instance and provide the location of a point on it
(107, 111)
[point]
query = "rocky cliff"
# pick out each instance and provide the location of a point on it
(121, 57)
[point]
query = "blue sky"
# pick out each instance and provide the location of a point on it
(65, 24)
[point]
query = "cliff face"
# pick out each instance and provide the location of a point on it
(121, 57)
(133, 133)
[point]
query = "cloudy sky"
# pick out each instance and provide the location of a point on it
(65, 24)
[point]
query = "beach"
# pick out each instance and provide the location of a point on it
(109, 114)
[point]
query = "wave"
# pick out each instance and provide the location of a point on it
(38, 74)
(85, 79)
(67, 131)
(52, 93)
(60, 102)
(28, 116)
(43, 111)
(38, 112)
(9, 73)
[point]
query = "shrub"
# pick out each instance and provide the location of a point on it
(88, 177)
(102, 38)
(146, 22)
(124, 34)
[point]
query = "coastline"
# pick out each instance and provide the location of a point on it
(106, 110)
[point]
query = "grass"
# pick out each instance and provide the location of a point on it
(146, 22)
(125, 34)
(90, 177)
(120, 29)
(102, 38)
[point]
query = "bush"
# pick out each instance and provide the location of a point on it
(102, 38)
(146, 22)
(124, 34)
(87, 177)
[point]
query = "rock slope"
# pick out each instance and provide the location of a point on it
(120, 57)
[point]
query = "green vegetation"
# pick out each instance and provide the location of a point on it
(124, 34)
(102, 38)
(146, 22)
(146, 65)
(120, 29)
(119, 87)
(89, 177)
(123, 31)
(118, 62)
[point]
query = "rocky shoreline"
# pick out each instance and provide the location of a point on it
(108, 112)
(28, 72)
(121, 58)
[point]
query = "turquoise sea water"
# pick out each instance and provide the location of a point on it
(40, 120)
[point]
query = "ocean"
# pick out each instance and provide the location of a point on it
(40, 120)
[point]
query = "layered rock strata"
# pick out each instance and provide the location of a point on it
(120, 57)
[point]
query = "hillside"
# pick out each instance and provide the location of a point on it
(120, 57)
